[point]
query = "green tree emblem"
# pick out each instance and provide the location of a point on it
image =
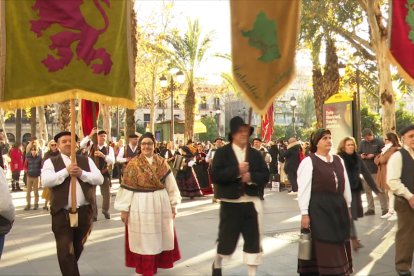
(263, 36)
(410, 19)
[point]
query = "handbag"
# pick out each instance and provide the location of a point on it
(305, 245)
(5, 225)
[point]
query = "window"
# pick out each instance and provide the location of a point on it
(147, 117)
(203, 103)
(216, 103)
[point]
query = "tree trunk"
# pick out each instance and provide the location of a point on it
(64, 115)
(2, 124)
(33, 127)
(129, 123)
(106, 119)
(327, 84)
(189, 112)
(18, 125)
(379, 42)
(43, 133)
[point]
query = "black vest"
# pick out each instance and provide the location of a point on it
(407, 172)
(102, 166)
(60, 193)
(129, 153)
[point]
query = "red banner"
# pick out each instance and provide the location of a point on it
(87, 115)
(401, 41)
(267, 125)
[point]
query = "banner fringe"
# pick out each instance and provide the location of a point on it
(64, 96)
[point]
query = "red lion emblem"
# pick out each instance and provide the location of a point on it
(68, 14)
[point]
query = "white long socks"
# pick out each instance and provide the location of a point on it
(251, 270)
(217, 261)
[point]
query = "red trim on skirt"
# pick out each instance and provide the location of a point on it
(147, 265)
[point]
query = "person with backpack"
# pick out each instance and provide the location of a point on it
(292, 161)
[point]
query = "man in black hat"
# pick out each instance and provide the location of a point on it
(56, 175)
(128, 152)
(106, 159)
(218, 143)
(239, 173)
(400, 179)
(368, 148)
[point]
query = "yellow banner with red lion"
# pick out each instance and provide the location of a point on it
(55, 50)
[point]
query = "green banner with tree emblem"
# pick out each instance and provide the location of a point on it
(264, 38)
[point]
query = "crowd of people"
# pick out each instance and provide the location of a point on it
(154, 177)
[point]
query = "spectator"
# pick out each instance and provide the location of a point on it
(292, 160)
(368, 149)
(16, 165)
(34, 165)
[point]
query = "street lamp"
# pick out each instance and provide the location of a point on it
(180, 78)
(293, 103)
(243, 113)
(218, 113)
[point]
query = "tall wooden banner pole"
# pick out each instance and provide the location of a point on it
(73, 213)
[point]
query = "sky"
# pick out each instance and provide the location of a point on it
(213, 15)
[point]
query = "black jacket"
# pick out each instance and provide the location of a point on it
(292, 158)
(226, 177)
(274, 153)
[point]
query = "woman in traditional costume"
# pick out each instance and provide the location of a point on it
(148, 199)
(186, 180)
(201, 171)
(324, 197)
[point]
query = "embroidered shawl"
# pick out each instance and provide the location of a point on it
(139, 175)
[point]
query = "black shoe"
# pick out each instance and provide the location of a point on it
(384, 212)
(404, 273)
(106, 215)
(215, 271)
(369, 213)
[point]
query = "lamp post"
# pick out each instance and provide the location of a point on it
(218, 113)
(180, 78)
(243, 113)
(293, 103)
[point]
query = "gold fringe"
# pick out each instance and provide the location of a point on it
(401, 70)
(67, 95)
(262, 110)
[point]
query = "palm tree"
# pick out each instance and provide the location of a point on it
(188, 53)
(307, 109)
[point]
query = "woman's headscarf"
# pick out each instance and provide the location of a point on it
(316, 136)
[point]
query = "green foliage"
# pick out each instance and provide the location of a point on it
(370, 120)
(285, 132)
(212, 129)
(403, 118)
(306, 112)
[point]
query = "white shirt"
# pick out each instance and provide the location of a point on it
(120, 157)
(305, 172)
(394, 169)
(50, 179)
(109, 158)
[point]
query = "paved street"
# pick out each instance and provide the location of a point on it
(30, 247)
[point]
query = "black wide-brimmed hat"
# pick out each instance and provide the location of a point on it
(64, 133)
(102, 132)
(235, 124)
(316, 136)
